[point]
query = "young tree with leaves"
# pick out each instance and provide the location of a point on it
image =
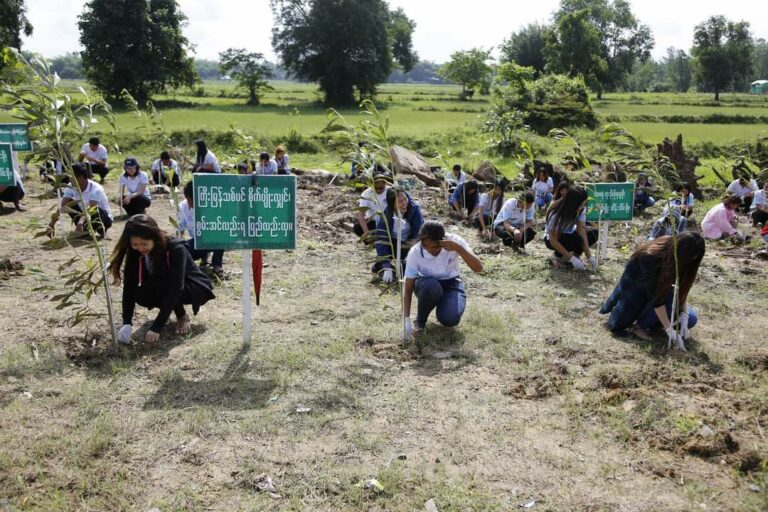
(249, 69)
(344, 45)
(136, 45)
(723, 53)
(469, 69)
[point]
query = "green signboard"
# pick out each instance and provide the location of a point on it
(16, 135)
(610, 201)
(6, 165)
(244, 211)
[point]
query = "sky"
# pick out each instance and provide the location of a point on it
(442, 26)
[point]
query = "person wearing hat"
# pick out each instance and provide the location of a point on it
(643, 187)
(162, 166)
(267, 166)
(373, 202)
(745, 189)
(135, 196)
(95, 155)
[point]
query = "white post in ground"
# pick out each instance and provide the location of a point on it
(61, 217)
(604, 239)
(398, 270)
(246, 302)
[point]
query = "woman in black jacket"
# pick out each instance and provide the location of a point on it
(158, 273)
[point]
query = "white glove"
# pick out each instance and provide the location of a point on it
(388, 276)
(739, 236)
(674, 337)
(684, 332)
(593, 262)
(577, 263)
(124, 334)
(407, 330)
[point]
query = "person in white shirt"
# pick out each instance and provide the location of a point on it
(135, 197)
(281, 158)
(566, 232)
(543, 187)
(266, 166)
(759, 207)
(373, 202)
(187, 223)
(96, 156)
(13, 193)
(745, 189)
(514, 223)
(205, 161)
(92, 194)
(161, 169)
(457, 175)
(490, 205)
(432, 273)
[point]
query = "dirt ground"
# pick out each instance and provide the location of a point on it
(530, 404)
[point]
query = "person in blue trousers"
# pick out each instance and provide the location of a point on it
(432, 273)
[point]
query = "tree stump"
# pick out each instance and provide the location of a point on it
(685, 168)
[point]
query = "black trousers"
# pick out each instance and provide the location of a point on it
(137, 205)
(573, 243)
(759, 217)
(508, 239)
(162, 178)
(101, 170)
(359, 230)
(11, 195)
(101, 222)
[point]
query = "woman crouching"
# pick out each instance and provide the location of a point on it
(158, 273)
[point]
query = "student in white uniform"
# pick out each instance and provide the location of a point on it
(490, 205)
(96, 156)
(514, 223)
(266, 166)
(373, 202)
(432, 273)
(136, 198)
(92, 195)
(745, 189)
(281, 157)
(161, 169)
(566, 232)
(759, 208)
(205, 161)
(187, 223)
(543, 188)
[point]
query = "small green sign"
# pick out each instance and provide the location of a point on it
(244, 211)
(16, 135)
(610, 201)
(6, 165)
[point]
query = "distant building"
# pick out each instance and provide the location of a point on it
(759, 87)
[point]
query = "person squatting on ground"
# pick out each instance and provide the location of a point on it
(685, 201)
(136, 183)
(759, 208)
(543, 188)
(266, 166)
(187, 222)
(205, 160)
(432, 273)
(643, 188)
(158, 273)
(401, 221)
(281, 158)
(13, 193)
(671, 222)
(721, 220)
(372, 203)
(566, 232)
(466, 197)
(92, 194)
(161, 170)
(744, 189)
(643, 297)
(490, 205)
(95, 155)
(514, 223)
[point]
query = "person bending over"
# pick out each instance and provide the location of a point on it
(135, 198)
(156, 272)
(465, 200)
(720, 221)
(95, 155)
(161, 170)
(543, 187)
(490, 205)
(566, 232)
(759, 207)
(432, 273)
(642, 299)
(205, 160)
(401, 221)
(744, 189)
(514, 223)
(86, 191)
(13, 193)
(372, 203)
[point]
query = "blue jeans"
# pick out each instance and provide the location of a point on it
(649, 321)
(446, 296)
(643, 201)
(197, 254)
(542, 201)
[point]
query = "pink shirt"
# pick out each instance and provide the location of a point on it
(718, 222)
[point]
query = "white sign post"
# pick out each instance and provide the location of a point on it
(246, 300)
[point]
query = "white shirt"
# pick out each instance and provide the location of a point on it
(443, 266)
(100, 153)
(93, 193)
(133, 183)
(513, 213)
(759, 200)
(210, 159)
(270, 168)
(375, 203)
(542, 187)
(157, 166)
(740, 190)
(486, 204)
(187, 218)
(401, 228)
(553, 219)
(283, 163)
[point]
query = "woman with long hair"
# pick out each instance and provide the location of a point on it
(489, 207)
(566, 232)
(721, 220)
(158, 272)
(644, 295)
(135, 196)
(543, 189)
(402, 221)
(466, 196)
(205, 160)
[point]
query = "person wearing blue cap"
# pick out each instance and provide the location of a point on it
(134, 188)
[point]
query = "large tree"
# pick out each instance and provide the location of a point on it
(249, 69)
(723, 51)
(344, 45)
(623, 39)
(678, 69)
(761, 60)
(13, 23)
(136, 45)
(526, 46)
(469, 69)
